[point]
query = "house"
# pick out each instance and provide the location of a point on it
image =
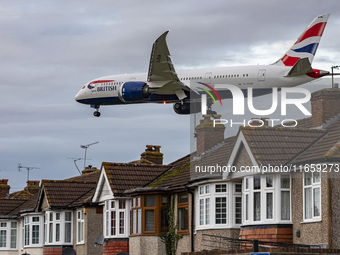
(278, 184)
(118, 206)
(59, 214)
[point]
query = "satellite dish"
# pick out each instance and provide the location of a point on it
(68, 251)
(100, 240)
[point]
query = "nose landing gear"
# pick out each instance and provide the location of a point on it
(96, 113)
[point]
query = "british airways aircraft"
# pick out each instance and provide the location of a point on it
(163, 85)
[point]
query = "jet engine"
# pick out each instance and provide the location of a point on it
(133, 91)
(187, 108)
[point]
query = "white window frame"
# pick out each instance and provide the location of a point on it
(8, 227)
(51, 220)
(80, 226)
(313, 186)
(29, 224)
(206, 202)
(274, 189)
(113, 207)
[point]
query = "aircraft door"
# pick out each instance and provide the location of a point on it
(207, 78)
(262, 75)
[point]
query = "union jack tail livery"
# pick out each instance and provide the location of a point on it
(307, 44)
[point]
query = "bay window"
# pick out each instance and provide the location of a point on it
(8, 235)
(149, 214)
(32, 230)
(116, 215)
(261, 194)
(58, 227)
(312, 196)
(220, 205)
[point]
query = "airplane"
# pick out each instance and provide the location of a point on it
(163, 85)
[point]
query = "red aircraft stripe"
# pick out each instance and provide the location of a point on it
(100, 81)
(315, 30)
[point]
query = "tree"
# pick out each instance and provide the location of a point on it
(171, 238)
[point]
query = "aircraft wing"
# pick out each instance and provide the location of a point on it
(162, 76)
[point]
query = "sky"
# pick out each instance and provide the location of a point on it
(50, 49)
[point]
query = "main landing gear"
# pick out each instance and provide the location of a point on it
(96, 113)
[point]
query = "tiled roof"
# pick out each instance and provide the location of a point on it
(327, 147)
(88, 177)
(10, 206)
(22, 194)
(277, 146)
(176, 178)
(129, 176)
(68, 193)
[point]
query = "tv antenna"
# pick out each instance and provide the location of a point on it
(28, 169)
(75, 163)
(85, 147)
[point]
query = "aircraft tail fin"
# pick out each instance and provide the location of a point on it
(307, 44)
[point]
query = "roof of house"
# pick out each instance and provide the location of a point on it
(68, 193)
(176, 178)
(275, 146)
(125, 176)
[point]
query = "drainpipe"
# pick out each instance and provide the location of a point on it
(192, 219)
(329, 209)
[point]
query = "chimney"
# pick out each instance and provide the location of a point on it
(153, 153)
(89, 169)
(325, 105)
(207, 135)
(259, 122)
(4, 188)
(32, 187)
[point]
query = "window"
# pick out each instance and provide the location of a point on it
(285, 197)
(32, 229)
(312, 196)
(219, 205)
(58, 227)
(260, 195)
(80, 226)
(149, 214)
(136, 215)
(182, 212)
(115, 218)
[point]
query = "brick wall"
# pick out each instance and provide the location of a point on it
(207, 135)
(325, 105)
(270, 233)
(114, 246)
(53, 251)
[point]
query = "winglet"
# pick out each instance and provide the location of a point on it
(161, 67)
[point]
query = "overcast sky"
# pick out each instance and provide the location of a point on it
(50, 49)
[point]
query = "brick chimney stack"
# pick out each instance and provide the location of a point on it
(4, 188)
(32, 187)
(325, 105)
(89, 169)
(153, 154)
(207, 135)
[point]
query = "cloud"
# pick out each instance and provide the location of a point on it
(49, 50)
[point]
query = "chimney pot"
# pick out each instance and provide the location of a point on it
(153, 154)
(4, 188)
